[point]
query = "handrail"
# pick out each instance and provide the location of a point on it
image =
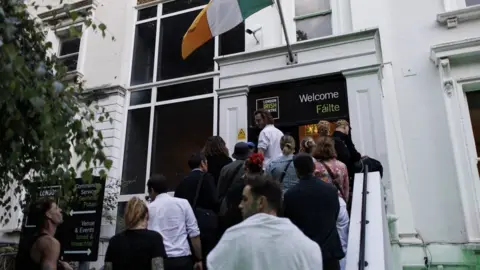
(361, 257)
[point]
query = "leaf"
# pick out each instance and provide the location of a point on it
(73, 15)
(108, 163)
(102, 27)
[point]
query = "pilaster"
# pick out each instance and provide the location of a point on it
(233, 114)
(376, 132)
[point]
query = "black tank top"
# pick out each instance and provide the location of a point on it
(24, 260)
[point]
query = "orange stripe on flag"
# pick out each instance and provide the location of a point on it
(197, 35)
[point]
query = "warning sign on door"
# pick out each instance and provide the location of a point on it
(241, 134)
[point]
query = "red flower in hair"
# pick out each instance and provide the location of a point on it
(257, 159)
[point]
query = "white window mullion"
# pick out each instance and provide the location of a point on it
(150, 143)
(216, 86)
(157, 41)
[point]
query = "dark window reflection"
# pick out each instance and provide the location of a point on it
(70, 62)
(140, 97)
(147, 13)
(70, 46)
(185, 90)
(472, 2)
(170, 62)
(179, 130)
(136, 148)
(473, 99)
(120, 226)
(143, 53)
(178, 5)
(233, 41)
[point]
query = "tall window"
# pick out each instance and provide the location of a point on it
(157, 58)
(472, 2)
(473, 99)
(69, 51)
(166, 121)
(313, 19)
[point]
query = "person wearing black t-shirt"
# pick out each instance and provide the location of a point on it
(136, 247)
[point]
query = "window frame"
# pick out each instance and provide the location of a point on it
(158, 19)
(455, 81)
(62, 36)
(319, 13)
(452, 5)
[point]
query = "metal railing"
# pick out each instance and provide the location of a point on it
(363, 224)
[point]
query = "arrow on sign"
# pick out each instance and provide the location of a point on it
(82, 212)
(88, 251)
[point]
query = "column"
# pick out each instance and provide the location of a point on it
(233, 122)
(113, 100)
(376, 132)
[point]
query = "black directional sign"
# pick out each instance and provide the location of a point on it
(81, 230)
(79, 234)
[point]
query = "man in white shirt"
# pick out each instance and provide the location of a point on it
(174, 219)
(343, 222)
(269, 139)
(264, 241)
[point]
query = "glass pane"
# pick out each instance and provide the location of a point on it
(170, 62)
(178, 5)
(185, 90)
(147, 13)
(70, 62)
(136, 148)
(472, 2)
(140, 97)
(473, 99)
(143, 53)
(314, 27)
(70, 46)
(120, 226)
(303, 7)
(233, 41)
(174, 141)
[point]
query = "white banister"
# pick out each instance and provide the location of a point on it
(377, 245)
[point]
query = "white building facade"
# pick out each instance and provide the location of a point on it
(405, 73)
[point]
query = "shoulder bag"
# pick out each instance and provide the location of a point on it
(332, 176)
(206, 218)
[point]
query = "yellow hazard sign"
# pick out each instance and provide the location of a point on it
(241, 135)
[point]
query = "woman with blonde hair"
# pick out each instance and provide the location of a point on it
(136, 247)
(282, 167)
(307, 145)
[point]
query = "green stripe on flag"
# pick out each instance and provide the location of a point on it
(248, 7)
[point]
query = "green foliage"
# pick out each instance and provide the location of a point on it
(42, 118)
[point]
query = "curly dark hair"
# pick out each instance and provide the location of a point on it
(266, 116)
(325, 148)
(215, 146)
(254, 163)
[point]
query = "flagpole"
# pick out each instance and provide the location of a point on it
(282, 20)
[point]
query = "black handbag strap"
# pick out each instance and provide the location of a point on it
(285, 170)
(335, 183)
(197, 193)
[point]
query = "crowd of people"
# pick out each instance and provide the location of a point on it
(268, 208)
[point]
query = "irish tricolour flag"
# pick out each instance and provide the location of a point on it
(216, 18)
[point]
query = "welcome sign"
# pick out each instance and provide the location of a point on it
(302, 102)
